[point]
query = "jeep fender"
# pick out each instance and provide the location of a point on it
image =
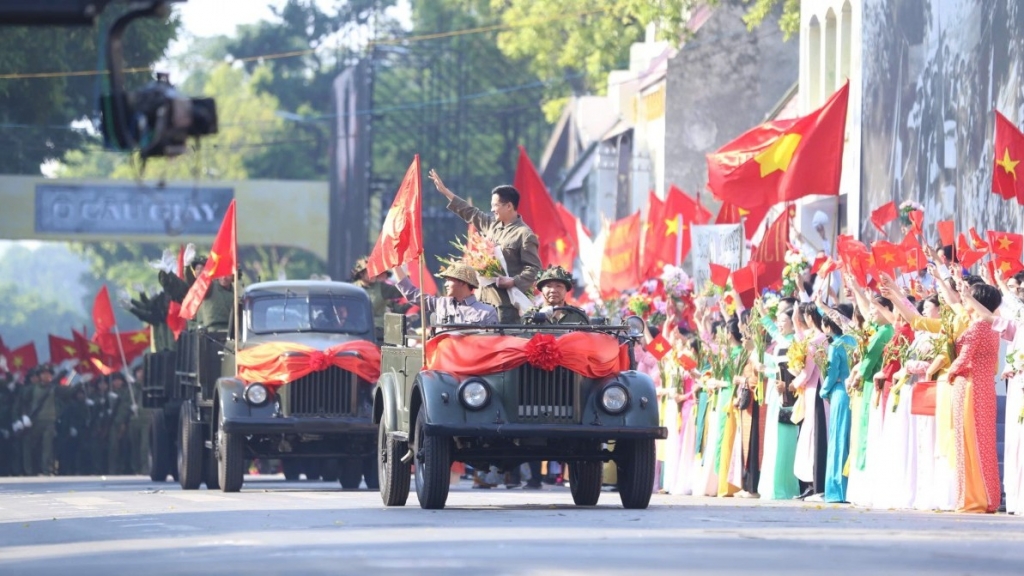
(385, 401)
(438, 393)
(231, 404)
(643, 402)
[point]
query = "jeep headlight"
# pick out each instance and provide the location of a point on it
(474, 394)
(635, 326)
(614, 399)
(256, 394)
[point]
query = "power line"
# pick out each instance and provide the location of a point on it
(294, 53)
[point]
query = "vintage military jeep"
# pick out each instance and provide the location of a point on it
(300, 386)
(506, 394)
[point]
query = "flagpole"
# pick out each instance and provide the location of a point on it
(423, 309)
(234, 284)
(124, 368)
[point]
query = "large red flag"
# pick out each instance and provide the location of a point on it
(133, 344)
(62, 349)
(751, 219)
(653, 261)
(1007, 176)
(620, 266)
(783, 160)
(221, 262)
(401, 237)
(86, 351)
(538, 210)
(103, 312)
(22, 358)
(569, 247)
(772, 251)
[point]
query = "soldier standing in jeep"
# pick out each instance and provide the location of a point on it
(504, 227)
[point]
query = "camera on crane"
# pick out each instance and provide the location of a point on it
(155, 119)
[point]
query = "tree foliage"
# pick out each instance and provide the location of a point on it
(36, 113)
(574, 44)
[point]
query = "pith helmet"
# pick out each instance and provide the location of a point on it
(359, 268)
(555, 274)
(461, 272)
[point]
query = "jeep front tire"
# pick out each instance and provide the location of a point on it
(433, 466)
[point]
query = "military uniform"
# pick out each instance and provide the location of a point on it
(41, 405)
(447, 310)
(545, 314)
(138, 434)
(519, 246)
(7, 436)
(215, 311)
(72, 434)
(116, 444)
(101, 413)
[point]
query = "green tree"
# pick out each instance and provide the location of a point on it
(574, 44)
(36, 112)
(28, 316)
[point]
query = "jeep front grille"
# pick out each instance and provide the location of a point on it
(327, 393)
(547, 396)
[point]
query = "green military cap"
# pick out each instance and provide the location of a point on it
(554, 274)
(359, 268)
(459, 271)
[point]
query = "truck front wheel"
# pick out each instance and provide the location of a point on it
(394, 474)
(230, 460)
(433, 466)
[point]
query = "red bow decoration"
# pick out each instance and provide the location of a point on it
(276, 363)
(591, 354)
(542, 351)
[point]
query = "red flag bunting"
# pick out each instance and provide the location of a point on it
(619, 265)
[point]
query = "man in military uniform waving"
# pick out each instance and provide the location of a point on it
(504, 227)
(554, 284)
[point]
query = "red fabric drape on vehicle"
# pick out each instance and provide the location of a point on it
(592, 355)
(268, 364)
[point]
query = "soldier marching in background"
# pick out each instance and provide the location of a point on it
(39, 417)
(101, 414)
(117, 445)
(138, 428)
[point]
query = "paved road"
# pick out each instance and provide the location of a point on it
(86, 526)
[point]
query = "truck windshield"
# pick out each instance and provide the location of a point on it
(314, 314)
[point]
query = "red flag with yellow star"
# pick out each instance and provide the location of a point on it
(1006, 245)
(401, 237)
(783, 160)
(912, 254)
(1007, 176)
(888, 257)
(659, 347)
(22, 358)
(537, 208)
(220, 263)
(62, 349)
(133, 344)
(664, 243)
(966, 253)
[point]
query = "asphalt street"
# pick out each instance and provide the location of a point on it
(129, 525)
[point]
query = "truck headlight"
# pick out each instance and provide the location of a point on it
(256, 394)
(474, 394)
(614, 399)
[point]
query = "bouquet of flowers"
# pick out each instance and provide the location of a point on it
(676, 282)
(906, 208)
(479, 254)
(639, 305)
(796, 267)
(796, 356)
(770, 302)
(945, 343)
